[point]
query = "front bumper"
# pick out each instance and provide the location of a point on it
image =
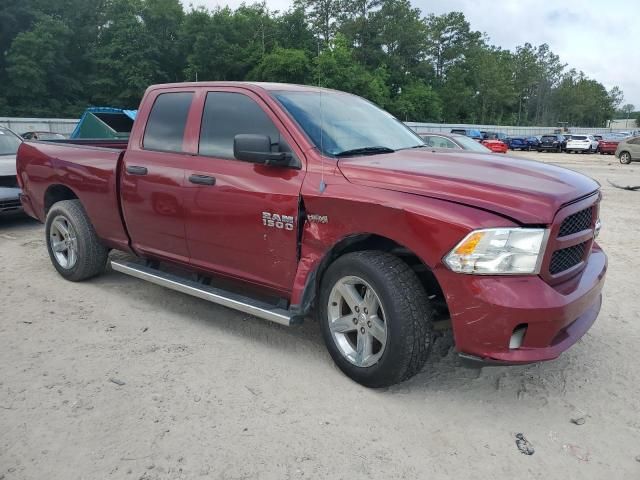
(549, 147)
(10, 200)
(485, 311)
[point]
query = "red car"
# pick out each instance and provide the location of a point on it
(237, 194)
(608, 145)
(496, 146)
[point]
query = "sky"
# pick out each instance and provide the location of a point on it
(600, 38)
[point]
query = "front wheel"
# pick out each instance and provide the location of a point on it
(375, 317)
(74, 248)
(625, 158)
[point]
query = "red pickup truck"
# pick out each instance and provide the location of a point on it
(282, 200)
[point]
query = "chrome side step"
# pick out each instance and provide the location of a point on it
(205, 292)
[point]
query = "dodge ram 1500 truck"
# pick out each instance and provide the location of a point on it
(282, 200)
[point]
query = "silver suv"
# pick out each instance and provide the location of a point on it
(9, 191)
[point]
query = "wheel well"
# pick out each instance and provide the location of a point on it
(360, 242)
(57, 193)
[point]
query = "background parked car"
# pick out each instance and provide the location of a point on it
(581, 143)
(629, 150)
(451, 142)
(608, 145)
(43, 136)
(494, 136)
(553, 142)
(9, 191)
(495, 145)
(533, 142)
(468, 132)
(518, 143)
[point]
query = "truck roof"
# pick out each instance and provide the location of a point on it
(269, 86)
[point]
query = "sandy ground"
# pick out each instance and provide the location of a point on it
(212, 393)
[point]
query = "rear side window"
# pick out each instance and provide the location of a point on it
(229, 114)
(441, 142)
(167, 121)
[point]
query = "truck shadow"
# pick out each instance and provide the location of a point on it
(443, 372)
(17, 222)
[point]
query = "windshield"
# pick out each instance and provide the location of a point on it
(549, 137)
(578, 137)
(9, 142)
(470, 144)
(346, 123)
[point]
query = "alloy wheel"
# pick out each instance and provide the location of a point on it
(63, 242)
(357, 321)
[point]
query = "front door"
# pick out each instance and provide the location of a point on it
(242, 218)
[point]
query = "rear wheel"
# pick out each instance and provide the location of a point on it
(74, 248)
(625, 158)
(375, 317)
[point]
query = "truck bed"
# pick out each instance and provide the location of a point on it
(85, 169)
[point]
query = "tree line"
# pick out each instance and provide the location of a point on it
(56, 58)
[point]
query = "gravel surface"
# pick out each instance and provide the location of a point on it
(118, 378)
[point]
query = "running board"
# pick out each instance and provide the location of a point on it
(215, 295)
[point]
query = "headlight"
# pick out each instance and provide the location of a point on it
(499, 251)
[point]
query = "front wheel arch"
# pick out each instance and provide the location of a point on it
(369, 241)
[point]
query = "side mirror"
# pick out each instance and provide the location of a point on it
(257, 149)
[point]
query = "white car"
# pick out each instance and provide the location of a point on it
(9, 191)
(582, 143)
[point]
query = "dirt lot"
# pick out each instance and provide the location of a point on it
(216, 394)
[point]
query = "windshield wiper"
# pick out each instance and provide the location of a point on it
(365, 151)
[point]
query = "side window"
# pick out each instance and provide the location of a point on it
(228, 114)
(428, 140)
(634, 141)
(167, 121)
(441, 142)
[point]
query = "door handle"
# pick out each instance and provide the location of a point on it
(135, 170)
(202, 179)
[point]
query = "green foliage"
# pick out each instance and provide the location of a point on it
(336, 68)
(287, 65)
(58, 57)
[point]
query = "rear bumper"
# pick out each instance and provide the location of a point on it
(549, 147)
(485, 311)
(605, 149)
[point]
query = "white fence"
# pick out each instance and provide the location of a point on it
(22, 125)
(66, 126)
(509, 130)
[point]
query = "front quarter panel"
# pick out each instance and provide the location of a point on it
(428, 227)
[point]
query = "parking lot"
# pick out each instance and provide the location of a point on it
(118, 378)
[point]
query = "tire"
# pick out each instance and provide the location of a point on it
(625, 158)
(78, 254)
(406, 318)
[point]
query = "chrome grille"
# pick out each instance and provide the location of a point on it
(566, 258)
(577, 222)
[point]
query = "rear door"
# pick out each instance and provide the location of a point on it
(152, 184)
(244, 222)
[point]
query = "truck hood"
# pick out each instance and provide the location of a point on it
(527, 191)
(7, 165)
